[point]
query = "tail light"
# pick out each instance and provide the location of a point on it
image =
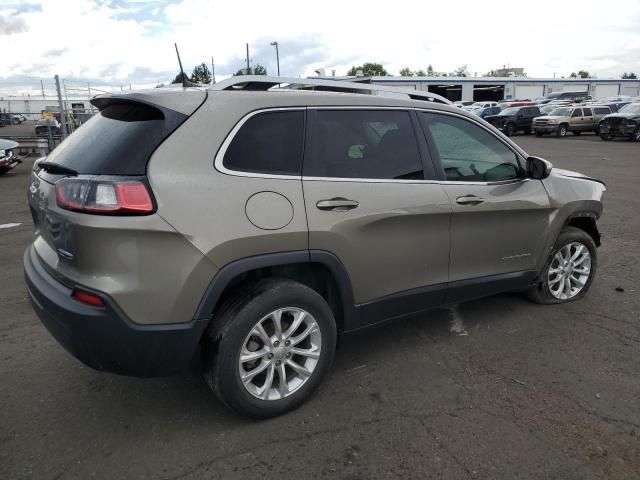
(107, 197)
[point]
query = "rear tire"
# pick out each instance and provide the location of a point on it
(235, 331)
(635, 136)
(551, 276)
(606, 137)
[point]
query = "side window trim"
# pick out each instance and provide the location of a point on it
(219, 157)
(429, 174)
(436, 158)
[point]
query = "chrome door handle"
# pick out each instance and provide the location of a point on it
(469, 200)
(337, 204)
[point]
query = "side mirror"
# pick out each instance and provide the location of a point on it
(538, 168)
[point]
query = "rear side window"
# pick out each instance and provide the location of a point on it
(602, 110)
(377, 144)
(270, 143)
(117, 141)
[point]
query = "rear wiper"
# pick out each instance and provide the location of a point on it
(57, 169)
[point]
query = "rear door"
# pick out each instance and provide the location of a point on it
(500, 218)
(371, 201)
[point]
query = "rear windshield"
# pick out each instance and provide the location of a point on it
(117, 141)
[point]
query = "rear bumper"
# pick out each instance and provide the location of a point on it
(104, 338)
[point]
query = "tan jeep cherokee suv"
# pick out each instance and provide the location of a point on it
(250, 226)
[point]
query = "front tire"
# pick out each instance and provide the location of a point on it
(635, 136)
(569, 271)
(606, 137)
(562, 131)
(269, 348)
(509, 130)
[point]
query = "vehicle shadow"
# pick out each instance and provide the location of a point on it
(187, 396)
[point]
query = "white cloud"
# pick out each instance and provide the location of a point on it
(132, 41)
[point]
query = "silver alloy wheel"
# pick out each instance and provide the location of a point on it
(280, 353)
(569, 271)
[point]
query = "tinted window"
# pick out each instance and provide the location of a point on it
(363, 144)
(587, 112)
(534, 111)
(577, 113)
(269, 142)
(601, 110)
(117, 141)
(467, 152)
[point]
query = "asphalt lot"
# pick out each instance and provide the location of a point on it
(496, 388)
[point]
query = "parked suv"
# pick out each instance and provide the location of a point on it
(514, 119)
(625, 123)
(251, 226)
(574, 119)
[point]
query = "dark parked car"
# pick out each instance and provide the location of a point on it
(625, 123)
(513, 119)
(486, 111)
(42, 127)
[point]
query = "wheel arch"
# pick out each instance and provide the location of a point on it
(320, 270)
(585, 221)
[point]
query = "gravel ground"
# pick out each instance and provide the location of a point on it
(495, 388)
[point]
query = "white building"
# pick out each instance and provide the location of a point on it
(505, 88)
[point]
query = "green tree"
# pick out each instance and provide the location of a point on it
(406, 72)
(460, 72)
(580, 74)
(629, 76)
(429, 71)
(420, 73)
(201, 74)
(369, 69)
(257, 70)
(180, 77)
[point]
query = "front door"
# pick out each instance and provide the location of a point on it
(368, 203)
(500, 218)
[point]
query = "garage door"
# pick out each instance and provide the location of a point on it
(528, 92)
(631, 91)
(605, 90)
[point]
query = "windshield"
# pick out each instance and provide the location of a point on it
(509, 111)
(547, 108)
(561, 112)
(631, 108)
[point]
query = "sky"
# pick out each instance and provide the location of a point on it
(118, 43)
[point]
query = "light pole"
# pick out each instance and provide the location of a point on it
(275, 44)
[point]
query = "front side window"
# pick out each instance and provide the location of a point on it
(576, 113)
(270, 143)
(587, 112)
(469, 153)
(377, 144)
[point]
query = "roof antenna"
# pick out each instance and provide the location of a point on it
(185, 82)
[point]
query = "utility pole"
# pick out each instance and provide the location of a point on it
(248, 67)
(62, 114)
(42, 87)
(275, 44)
(213, 72)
